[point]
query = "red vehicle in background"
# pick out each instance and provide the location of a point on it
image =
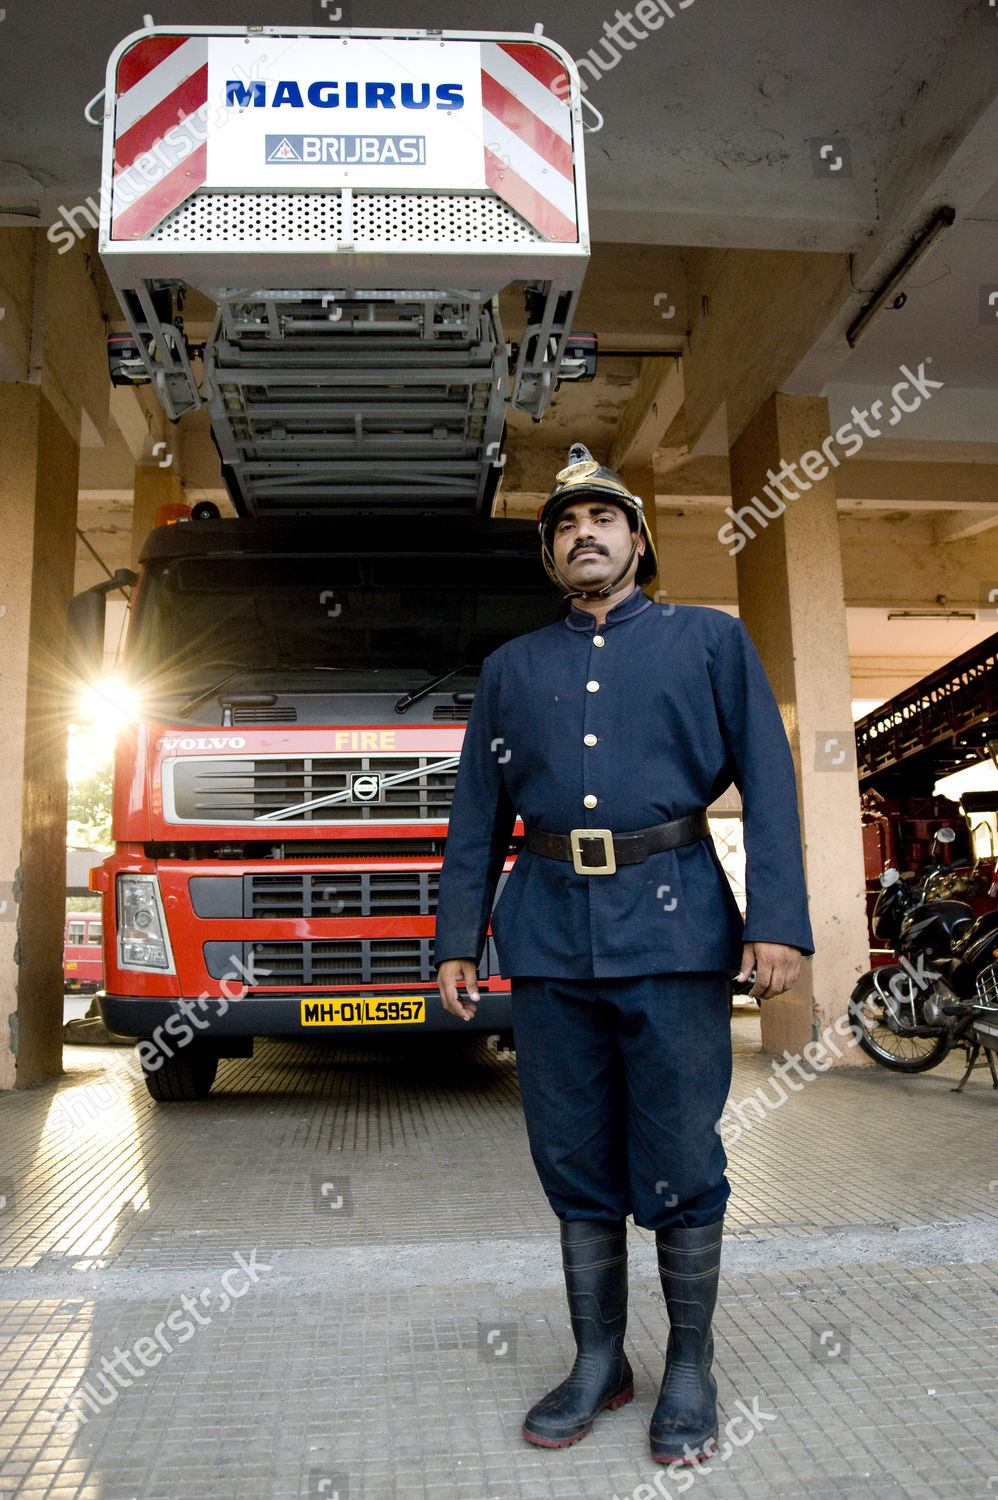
(82, 965)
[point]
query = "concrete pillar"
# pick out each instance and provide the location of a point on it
(790, 597)
(155, 485)
(38, 487)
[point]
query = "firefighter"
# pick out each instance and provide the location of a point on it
(609, 733)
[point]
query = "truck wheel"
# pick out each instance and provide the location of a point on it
(186, 1076)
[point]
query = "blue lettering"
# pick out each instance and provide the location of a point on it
(449, 96)
(379, 93)
(238, 96)
(327, 100)
(324, 93)
(287, 92)
(409, 100)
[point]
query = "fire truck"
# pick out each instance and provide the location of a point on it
(352, 203)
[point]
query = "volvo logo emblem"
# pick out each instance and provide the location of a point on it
(365, 786)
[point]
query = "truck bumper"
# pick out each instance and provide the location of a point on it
(281, 1015)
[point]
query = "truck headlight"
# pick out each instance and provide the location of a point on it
(142, 937)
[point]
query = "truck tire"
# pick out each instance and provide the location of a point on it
(186, 1076)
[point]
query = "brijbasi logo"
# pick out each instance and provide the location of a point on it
(346, 150)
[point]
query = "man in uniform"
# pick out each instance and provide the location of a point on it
(609, 733)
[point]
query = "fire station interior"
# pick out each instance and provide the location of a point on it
(794, 219)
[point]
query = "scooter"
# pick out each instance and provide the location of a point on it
(943, 991)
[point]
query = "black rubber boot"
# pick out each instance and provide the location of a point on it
(594, 1255)
(684, 1423)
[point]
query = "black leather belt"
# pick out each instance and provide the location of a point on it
(598, 851)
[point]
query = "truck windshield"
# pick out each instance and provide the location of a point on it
(386, 623)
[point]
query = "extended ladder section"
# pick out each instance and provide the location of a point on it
(353, 203)
(372, 403)
(940, 724)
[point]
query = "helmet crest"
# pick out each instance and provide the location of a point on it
(581, 476)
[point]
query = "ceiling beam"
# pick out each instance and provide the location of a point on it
(884, 483)
(964, 523)
(649, 414)
(130, 418)
(979, 521)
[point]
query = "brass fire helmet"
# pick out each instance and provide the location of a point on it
(583, 476)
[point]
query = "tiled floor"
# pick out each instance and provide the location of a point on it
(338, 1277)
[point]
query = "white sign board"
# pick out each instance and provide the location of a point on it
(292, 113)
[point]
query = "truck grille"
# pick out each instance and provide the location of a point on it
(341, 894)
(273, 792)
(297, 965)
(329, 893)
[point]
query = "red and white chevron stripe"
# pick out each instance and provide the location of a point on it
(528, 135)
(160, 151)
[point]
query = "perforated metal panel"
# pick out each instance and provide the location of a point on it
(387, 218)
(439, 219)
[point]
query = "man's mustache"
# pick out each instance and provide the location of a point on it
(587, 547)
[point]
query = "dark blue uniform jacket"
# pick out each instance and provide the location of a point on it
(680, 707)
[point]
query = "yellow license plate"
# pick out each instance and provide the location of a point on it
(364, 1010)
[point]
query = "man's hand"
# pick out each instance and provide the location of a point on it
(776, 968)
(453, 973)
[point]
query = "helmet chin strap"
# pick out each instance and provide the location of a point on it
(607, 588)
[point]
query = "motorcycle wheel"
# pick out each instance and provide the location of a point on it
(891, 1049)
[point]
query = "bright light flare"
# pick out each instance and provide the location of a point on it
(110, 704)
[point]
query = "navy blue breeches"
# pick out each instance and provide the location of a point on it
(623, 1082)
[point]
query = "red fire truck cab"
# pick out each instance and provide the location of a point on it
(298, 694)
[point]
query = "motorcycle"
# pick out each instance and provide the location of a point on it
(943, 991)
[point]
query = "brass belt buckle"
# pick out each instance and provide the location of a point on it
(609, 865)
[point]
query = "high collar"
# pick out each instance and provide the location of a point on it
(580, 619)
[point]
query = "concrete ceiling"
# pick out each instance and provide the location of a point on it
(709, 152)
